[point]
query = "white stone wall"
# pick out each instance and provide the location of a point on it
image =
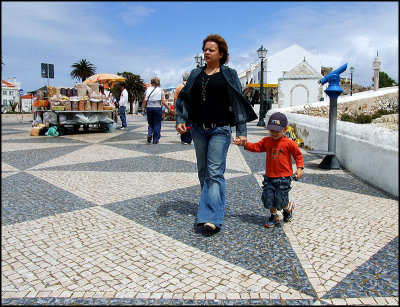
(368, 151)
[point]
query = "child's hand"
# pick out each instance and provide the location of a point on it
(240, 141)
(236, 141)
(299, 173)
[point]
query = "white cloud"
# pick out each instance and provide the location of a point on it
(115, 38)
(135, 14)
(337, 35)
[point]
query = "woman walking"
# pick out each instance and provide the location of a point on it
(153, 98)
(212, 102)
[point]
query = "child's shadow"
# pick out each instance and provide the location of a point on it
(253, 219)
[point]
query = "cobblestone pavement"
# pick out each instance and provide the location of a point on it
(105, 219)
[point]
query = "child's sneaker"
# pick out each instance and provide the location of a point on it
(288, 214)
(273, 220)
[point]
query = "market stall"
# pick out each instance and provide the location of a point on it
(71, 108)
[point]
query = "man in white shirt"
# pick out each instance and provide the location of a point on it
(123, 103)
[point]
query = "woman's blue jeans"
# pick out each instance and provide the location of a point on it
(154, 119)
(211, 146)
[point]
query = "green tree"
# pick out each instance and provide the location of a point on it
(135, 87)
(82, 70)
(385, 80)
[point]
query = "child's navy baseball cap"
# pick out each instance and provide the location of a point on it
(277, 122)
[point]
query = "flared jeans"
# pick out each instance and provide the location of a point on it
(211, 146)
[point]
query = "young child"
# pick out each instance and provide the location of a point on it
(278, 168)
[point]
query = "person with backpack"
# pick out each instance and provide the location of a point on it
(154, 98)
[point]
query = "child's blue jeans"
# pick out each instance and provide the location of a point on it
(275, 192)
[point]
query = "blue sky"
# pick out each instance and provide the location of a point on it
(162, 38)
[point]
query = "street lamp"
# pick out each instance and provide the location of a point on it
(351, 80)
(199, 60)
(262, 53)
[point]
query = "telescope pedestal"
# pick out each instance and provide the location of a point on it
(329, 162)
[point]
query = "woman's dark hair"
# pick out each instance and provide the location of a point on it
(222, 46)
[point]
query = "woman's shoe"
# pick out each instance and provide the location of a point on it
(149, 137)
(210, 227)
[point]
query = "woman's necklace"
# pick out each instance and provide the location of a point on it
(204, 84)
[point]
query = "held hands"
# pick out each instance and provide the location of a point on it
(240, 141)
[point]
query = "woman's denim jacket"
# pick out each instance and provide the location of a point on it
(239, 105)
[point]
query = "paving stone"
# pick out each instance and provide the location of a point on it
(105, 219)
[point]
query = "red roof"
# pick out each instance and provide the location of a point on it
(27, 96)
(7, 83)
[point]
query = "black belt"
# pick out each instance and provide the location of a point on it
(271, 178)
(210, 125)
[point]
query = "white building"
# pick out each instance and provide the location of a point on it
(10, 93)
(275, 66)
(27, 102)
(300, 86)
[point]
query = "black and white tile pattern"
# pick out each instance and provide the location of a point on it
(106, 219)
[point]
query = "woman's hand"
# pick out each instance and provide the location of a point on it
(181, 128)
(240, 140)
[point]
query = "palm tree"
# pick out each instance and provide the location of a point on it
(82, 70)
(135, 87)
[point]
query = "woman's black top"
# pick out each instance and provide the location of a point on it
(209, 99)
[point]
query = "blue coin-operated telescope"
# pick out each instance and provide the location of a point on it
(333, 91)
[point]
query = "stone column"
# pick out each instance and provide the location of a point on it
(376, 66)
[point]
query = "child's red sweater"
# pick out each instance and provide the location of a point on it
(279, 155)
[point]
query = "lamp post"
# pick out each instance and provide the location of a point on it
(351, 80)
(199, 60)
(262, 53)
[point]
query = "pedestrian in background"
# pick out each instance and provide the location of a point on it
(212, 102)
(104, 92)
(255, 99)
(278, 168)
(186, 137)
(153, 101)
(123, 103)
